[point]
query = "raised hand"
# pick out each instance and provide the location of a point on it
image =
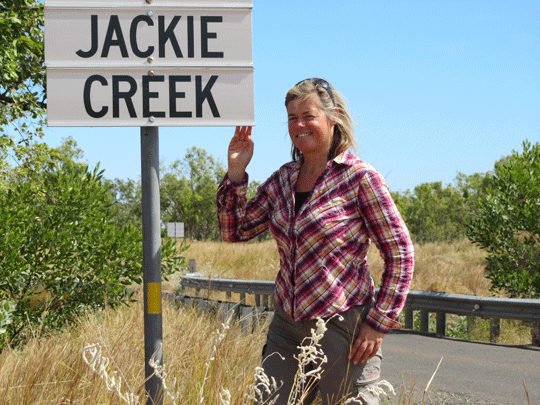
(240, 153)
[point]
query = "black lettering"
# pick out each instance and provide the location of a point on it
(126, 95)
(191, 37)
(133, 36)
(93, 39)
(168, 34)
(147, 95)
(173, 95)
(86, 96)
(206, 94)
(205, 36)
(114, 29)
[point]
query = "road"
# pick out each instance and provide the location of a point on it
(470, 372)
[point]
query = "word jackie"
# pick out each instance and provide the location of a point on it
(166, 33)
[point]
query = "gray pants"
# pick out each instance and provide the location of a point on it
(340, 378)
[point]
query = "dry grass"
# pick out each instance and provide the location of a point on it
(453, 268)
(456, 268)
(52, 371)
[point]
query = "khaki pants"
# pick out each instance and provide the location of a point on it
(340, 378)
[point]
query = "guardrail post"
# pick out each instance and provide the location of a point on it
(424, 321)
(243, 298)
(471, 323)
(495, 329)
(409, 318)
(441, 323)
(535, 332)
(192, 266)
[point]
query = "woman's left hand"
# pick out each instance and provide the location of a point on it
(366, 344)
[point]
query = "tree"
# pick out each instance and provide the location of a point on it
(506, 224)
(128, 201)
(433, 213)
(472, 187)
(188, 194)
(62, 251)
(22, 78)
(22, 69)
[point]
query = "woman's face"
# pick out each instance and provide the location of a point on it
(310, 129)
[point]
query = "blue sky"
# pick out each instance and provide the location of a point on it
(436, 87)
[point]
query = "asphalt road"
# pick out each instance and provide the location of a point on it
(470, 372)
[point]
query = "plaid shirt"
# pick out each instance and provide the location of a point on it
(323, 249)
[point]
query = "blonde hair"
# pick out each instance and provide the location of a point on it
(328, 100)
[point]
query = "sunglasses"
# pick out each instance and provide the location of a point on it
(321, 83)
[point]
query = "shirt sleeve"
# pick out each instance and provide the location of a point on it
(240, 220)
(391, 236)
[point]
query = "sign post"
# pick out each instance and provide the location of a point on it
(153, 330)
(148, 64)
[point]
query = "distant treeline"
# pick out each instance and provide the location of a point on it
(434, 212)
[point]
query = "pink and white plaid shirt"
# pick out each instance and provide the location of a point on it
(323, 249)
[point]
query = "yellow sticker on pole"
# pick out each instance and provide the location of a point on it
(154, 298)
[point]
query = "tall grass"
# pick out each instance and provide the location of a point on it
(453, 268)
(51, 370)
(456, 268)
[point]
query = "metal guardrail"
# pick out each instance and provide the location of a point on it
(471, 305)
(424, 301)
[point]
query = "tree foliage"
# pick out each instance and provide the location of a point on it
(188, 194)
(507, 224)
(433, 213)
(22, 69)
(61, 249)
(22, 80)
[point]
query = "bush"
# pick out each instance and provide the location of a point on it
(62, 252)
(507, 226)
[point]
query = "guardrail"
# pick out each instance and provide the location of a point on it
(423, 301)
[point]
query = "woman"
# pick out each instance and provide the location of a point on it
(323, 208)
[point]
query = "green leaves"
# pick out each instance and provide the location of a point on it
(508, 226)
(62, 251)
(188, 194)
(433, 213)
(22, 70)
(7, 308)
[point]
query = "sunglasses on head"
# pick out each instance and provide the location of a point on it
(321, 83)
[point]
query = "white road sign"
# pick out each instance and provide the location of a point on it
(162, 63)
(175, 229)
(167, 97)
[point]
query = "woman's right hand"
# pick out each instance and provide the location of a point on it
(240, 153)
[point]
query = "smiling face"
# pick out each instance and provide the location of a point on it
(310, 129)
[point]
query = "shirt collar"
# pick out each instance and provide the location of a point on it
(345, 158)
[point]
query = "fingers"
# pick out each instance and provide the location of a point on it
(366, 345)
(362, 351)
(243, 133)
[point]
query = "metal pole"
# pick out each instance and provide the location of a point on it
(153, 332)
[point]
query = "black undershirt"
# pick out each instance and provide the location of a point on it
(300, 198)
